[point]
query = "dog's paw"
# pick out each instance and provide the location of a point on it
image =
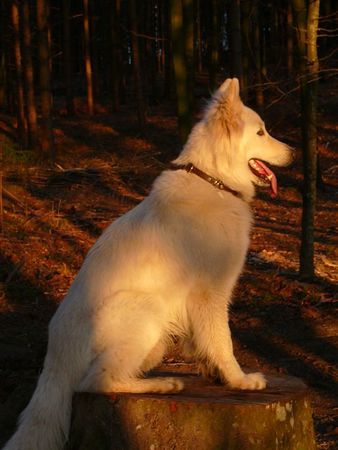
(174, 384)
(250, 382)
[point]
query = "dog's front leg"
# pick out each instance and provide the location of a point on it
(212, 340)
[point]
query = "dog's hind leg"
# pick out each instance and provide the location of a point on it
(101, 379)
(104, 376)
(154, 358)
(127, 344)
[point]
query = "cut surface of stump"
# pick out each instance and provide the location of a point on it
(202, 417)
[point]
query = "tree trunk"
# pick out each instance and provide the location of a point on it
(95, 47)
(289, 43)
(20, 108)
(202, 417)
(149, 59)
(3, 79)
(46, 141)
(49, 36)
(3, 66)
(115, 57)
(31, 116)
(160, 34)
(307, 26)
(184, 111)
(88, 60)
(189, 33)
(235, 40)
(257, 53)
(141, 108)
(214, 44)
(167, 49)
(199, 37)
(67, 58)
(246, 6)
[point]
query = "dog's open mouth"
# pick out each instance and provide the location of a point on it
(265, 175)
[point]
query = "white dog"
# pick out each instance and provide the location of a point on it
(166, 267)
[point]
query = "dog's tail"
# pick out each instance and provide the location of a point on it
(44, 424)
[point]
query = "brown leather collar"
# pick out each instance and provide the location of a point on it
(190, 168)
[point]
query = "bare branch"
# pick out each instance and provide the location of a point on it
(144, 36)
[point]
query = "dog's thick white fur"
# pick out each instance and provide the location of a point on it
(166, 267)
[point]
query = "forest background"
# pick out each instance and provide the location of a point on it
(97, 97)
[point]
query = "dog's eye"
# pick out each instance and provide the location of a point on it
(260, 132)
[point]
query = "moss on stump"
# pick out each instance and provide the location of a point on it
(202, 417)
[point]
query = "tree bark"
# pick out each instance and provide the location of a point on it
(67, 58)
(115, 61)
(141, 107)
(289, 43)
(20, 105)
(307, 27)
(46, 140)
(88, 60)
(167, 49)
(202, 417)
(246, 6)
(257, 53)
(235, 40)
(28, 74)
(3, 65)
(184, 110)
(189, 33)
(199, 37)
(214, 44)
(3, 79)
(149, 59)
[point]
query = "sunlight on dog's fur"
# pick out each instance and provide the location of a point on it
(166, 267)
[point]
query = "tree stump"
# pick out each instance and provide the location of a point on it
(202, 417)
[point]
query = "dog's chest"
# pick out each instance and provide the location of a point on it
(213, 239)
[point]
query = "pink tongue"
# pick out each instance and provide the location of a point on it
(272, 177)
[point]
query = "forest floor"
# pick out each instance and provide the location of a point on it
(105, 167)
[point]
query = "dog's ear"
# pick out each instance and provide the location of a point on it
(226, 105)
(234, 90)
(225, 85)
(229, 91)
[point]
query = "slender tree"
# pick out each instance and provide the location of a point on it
(3, 65)
(46, 139)
(3, 79)
(67, 58)
(257, 53)
(115, 54)
(289, 42)
(21, 118)
(306, 16)
(235, 36)
(184, 107)
(28, 76)
(141, 107)
(199, 37)
(88, 59)
(189, 33)
(246, 10)
(214, 44)
(149, 44)
(167, 49)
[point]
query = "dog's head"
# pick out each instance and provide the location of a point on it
(232, 143)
